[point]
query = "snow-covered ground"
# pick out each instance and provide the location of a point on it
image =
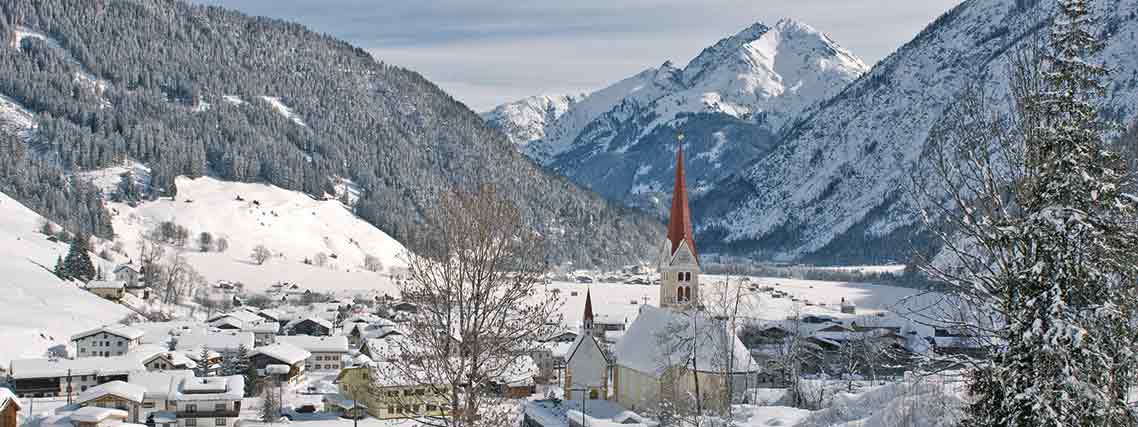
(38, 311)
(15, 118)
(875, 304)
(285, 110)
(292, 225)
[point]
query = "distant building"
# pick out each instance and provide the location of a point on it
(388, 395)
(105, 341)
(284, 361)
(115, 395)
(313, 326)
(111, 290)
(326, 353)
(587, 365)
(58, 377)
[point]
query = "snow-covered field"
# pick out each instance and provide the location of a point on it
(292, 225)
(37, 310)
(880, 304)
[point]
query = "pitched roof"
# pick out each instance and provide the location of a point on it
(95, 414)
(679, 219)
(8, 398)
(588, 307)
(50, 368)
(286, 353)
(116, 330)
(161, 384)
(337, 343)
(658, 338)
(125, 390)
(105, 284)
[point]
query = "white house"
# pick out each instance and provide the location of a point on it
(327, 353)
(110, 340)
(208, 401)
(168, 361)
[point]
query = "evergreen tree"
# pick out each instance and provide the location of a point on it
(58, 270)
(1067, 290)
(77, 265)
(203, 363)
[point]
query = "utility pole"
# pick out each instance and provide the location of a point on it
(69, 387)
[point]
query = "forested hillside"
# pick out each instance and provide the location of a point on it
(193, 90)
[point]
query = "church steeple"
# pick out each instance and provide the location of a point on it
(679, 265)
(679, 220)
(587, 319)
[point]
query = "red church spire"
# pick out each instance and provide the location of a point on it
(679, 220)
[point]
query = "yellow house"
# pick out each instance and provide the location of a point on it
(389, 396)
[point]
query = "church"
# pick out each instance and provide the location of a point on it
(667, 349)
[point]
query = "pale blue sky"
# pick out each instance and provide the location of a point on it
(486, 52)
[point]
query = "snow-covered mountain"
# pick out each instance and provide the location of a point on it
(525, 120)
(833, 191)
(729, 101)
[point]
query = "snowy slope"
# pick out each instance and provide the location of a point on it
(729, 101)
(15, 118)
(834, 189)
(292, 225)
(38, 311)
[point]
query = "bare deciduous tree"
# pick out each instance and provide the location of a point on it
(260, 254)
(481, 306)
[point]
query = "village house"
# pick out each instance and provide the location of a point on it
(313, 326)
(168, 361)
(160, 388)
(9, 408)
(58, 377)
(326, 353)
(110, 340)
(108, 289)
(115, 395)
(286, 359)
(208, 401)
(127, 273)
(387, 395)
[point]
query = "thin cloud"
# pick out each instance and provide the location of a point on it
(488, 52)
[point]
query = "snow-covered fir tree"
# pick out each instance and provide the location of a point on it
(77, 264)
(1066, 281)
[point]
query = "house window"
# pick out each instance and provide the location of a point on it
(391, 409)
(191, 422)
(219, 407)
(219, 422)
(148, 405)
(191, 407)
(431, 408)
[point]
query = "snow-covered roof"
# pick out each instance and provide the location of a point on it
(105, 284)
(95, 414)
(214, 340)
(51, 368)
(116, 330)
(331, 344)
(319, 321)
(7, 398)
(277, 369)
(125, 267)
(125, 390)
(551, 413)
(159, 385)
(175, 358)
(283, 352)
(660, 338)
(211, 388)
